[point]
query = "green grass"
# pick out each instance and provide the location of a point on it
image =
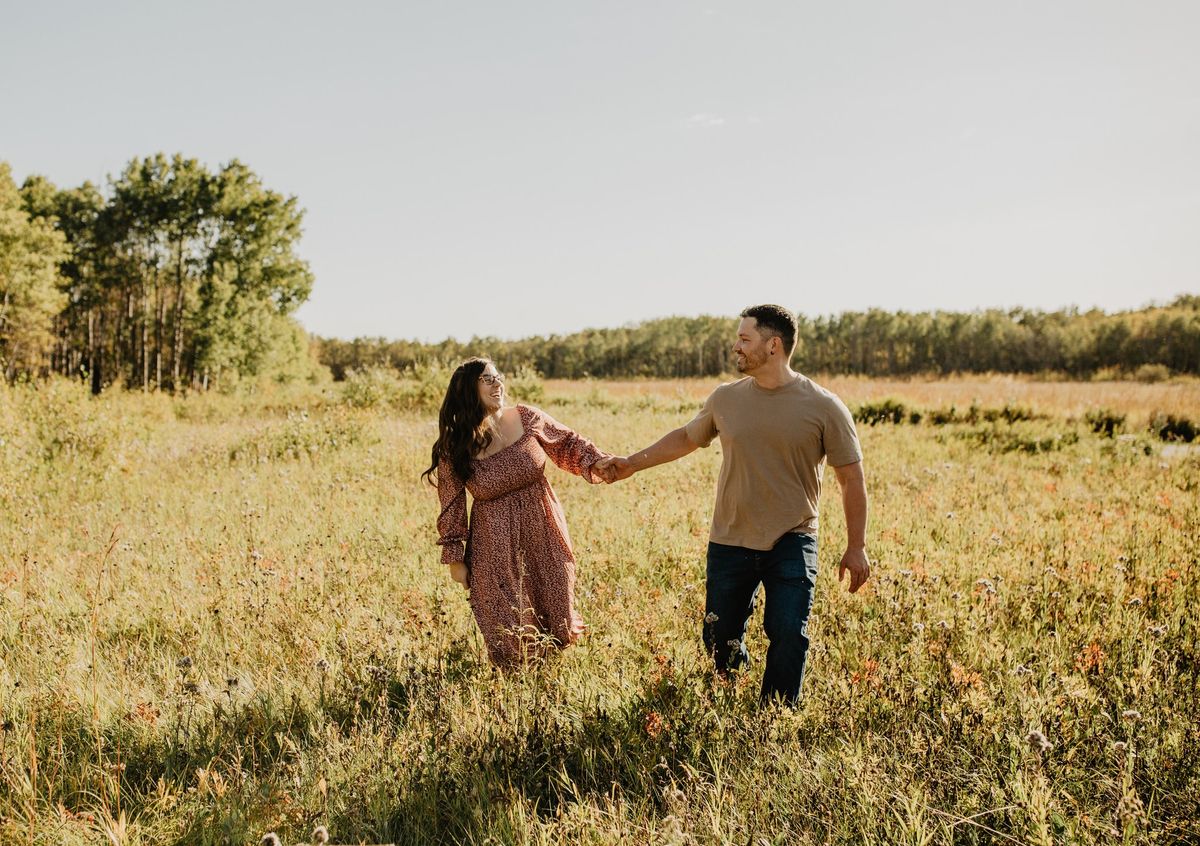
(223, 616)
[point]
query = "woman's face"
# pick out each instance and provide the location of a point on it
(491, 389)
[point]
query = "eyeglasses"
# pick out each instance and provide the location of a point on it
(489, 379)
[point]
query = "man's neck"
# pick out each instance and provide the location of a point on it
(774, 377)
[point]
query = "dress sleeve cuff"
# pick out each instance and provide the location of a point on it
(453, 552)
(586, 469)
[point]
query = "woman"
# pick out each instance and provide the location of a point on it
(514, 554)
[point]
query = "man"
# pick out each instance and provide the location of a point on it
(777, 430)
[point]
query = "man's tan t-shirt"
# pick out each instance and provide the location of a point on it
(774, 445)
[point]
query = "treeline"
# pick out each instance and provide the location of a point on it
(174, 276)
(874, 343)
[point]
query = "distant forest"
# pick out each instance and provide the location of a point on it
(174, 276)
(1155, 341)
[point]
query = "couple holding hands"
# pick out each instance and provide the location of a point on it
(777, 429)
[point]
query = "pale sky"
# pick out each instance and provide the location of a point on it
(519, 168)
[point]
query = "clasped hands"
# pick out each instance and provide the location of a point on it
(613, 469)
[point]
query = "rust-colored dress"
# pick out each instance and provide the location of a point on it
(522, 570)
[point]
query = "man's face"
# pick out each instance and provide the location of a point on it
(753, 349)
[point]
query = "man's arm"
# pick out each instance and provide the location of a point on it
(675, 444)
(854, 505)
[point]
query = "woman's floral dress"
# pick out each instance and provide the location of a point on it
(516, 545)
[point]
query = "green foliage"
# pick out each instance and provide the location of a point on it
(1147, 344)
(211, 649)
(1171, 427)
(423, 388)
(1152, 374)
(1008, 413)
(180, 278)
(30, 251)
(301, 435)
(1105, 421)
(887, 410)
(1008, 439)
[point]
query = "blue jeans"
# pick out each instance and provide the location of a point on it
(788, 572)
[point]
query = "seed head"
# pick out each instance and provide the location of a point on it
(1038, 741)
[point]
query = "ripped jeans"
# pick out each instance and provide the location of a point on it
(788, 574)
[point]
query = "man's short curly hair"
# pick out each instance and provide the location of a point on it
(775, 320)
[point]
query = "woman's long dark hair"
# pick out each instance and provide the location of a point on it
(461, 433)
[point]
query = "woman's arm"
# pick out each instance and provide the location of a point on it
(569, 450)
(452, 521)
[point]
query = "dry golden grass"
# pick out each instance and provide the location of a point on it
(223, 616)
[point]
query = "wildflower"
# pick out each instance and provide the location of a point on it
(184, 663)
(1057, 594)
(918, 627)
(1091, 657)
(1132, 714)
(654, 724)
(963, 678)
(1038, 741)
(1022, 670)
(270, 839)
(675, 797)
(906, 573)
(734, 644)
(1119, 746)
(320, 835)
(322, 665)
(711, 617)
(1134, 601)
(1157, 631)
(1050, 571)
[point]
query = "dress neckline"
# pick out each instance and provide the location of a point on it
(523, 435)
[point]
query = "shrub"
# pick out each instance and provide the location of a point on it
(996, 439)
(884, 411)
(1168, 427)
(370, 387)
(1152, 373)
(1105, 421)
(300, 436)
(1009, 414)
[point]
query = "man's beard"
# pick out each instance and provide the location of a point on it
(748, 362)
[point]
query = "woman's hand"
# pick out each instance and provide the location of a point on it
(458, 572)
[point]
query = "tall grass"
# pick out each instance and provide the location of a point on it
(224, 615)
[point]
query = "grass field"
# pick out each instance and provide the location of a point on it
(224, 616)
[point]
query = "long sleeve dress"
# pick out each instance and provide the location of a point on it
(516, 545)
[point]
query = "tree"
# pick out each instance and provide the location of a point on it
(30, 294)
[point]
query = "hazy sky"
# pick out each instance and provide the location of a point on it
(516, 168)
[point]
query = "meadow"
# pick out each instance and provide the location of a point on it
(224, 615)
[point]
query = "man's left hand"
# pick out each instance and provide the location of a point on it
(855, 561)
